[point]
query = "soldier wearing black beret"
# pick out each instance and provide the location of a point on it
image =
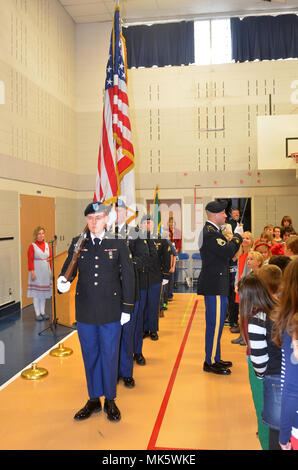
(104, 301)
(213, 283)
(132, 332)
(158, 274)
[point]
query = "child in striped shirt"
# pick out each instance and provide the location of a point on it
(257, 304)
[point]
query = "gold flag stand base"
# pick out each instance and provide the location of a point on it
(61, 351)
(34, 372)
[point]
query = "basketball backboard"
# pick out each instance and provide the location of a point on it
(277, 140)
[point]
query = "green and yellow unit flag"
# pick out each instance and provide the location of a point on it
(156, 213)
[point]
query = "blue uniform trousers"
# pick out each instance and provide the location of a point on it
(151, 312)
(215, 314)
(127, 345)
(100, 349)
(171, 286)
(138, 336)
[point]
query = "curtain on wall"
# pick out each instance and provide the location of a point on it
(160, 44)
(264, 37)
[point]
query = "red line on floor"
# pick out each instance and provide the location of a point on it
(171, 448)
(163, 407)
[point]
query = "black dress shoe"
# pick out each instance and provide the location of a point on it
(92, 406)
(112, 411)
(146, 334)
(129, 382)
(225, 363)
(139, 358)
(216, 368)
(154, 336)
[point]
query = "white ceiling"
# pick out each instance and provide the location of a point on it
(134, 11)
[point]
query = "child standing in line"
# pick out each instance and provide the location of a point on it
(271, 275)
(264, 249)
(255, 261)
(255, 304)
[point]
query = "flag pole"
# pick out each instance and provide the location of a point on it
(115, 172)
(114, 204)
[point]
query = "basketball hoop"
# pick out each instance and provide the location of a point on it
(294, 156)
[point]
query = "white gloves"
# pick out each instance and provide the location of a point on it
(125, 317)
(62, 284)
(239, 229)
(165, 281)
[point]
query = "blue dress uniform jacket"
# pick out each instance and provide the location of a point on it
(213, 283)
(106, 282)
(160, 264)
(132, 332)
(160, 260)
(216, 252)
(139, 249)
(164, 251)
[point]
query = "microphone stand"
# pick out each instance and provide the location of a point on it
(54, 323)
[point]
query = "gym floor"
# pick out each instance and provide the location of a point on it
(174, 405)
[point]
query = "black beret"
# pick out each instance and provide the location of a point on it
(97, 208)
(216, 206)
(146, 217)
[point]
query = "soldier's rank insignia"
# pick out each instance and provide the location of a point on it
(221, 242)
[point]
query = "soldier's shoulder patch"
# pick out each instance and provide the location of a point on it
(221, 242)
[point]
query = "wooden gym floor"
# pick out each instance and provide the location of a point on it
(174, 405)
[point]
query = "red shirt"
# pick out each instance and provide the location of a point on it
(40, 245)
(278, 249)
(175, 237)
(241, 263)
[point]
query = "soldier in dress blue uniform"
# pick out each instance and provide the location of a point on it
(213, 283)
(158, 273)
(105, 296)
(134, 328)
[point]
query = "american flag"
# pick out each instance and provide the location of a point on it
(115, 174)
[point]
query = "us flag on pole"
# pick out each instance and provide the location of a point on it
(116, 153)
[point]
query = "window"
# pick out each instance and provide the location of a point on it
(212, 42)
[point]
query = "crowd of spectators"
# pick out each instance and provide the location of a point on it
(263, 309)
